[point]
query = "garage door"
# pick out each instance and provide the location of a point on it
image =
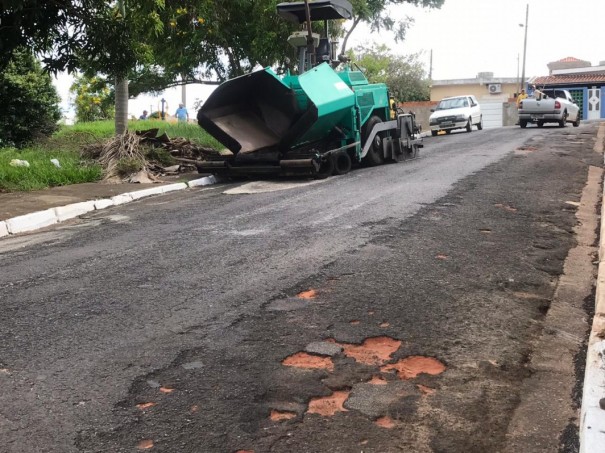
(492, 114)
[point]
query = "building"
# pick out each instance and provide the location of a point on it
(585, 82)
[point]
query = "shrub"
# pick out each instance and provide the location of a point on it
(30, 104)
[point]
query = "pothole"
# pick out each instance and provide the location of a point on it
(280, 416)
(412, 366)
(146, 444)
(144, 406)
(309, 361)
(309, 294)
(385, 422)
(327, 406)
(378, 380)
(373, 351)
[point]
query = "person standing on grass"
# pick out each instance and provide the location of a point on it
(182, 114)
(144, 115)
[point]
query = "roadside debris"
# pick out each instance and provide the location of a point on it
(143, 156)
(19, 163)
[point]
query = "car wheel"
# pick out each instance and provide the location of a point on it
(563, 120)
(523, 124)
(469, 125)
(480, 123)
(434, 133)
(540, 123)
(576, 123)
(448, 131)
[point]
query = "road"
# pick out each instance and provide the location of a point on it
(180, 323)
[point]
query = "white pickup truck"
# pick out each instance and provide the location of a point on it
(549, 106)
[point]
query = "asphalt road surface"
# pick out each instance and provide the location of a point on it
(395, 308)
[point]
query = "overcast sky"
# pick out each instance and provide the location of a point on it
(471, 36)
(468, 37)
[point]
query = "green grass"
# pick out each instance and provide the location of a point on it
(42, 172)
(65, 145)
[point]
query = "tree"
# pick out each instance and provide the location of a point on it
(405, 76)
(30, 104)
(375, 14)
(93, 99)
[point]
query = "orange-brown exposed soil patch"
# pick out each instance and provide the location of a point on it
(309, 361)
(144, 406)
(412, 366)
(385, 422)
(195, 408)
(354, 322)
(377, 380)
(309, 294)
(425, 390)
(146, 444)
(373, 351)
(327, 406)
(166, 390)
(442, 257)
(278, 416)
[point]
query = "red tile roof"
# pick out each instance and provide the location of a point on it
(570, 79)
(568, 60)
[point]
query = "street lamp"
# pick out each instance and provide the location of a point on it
(524, 44)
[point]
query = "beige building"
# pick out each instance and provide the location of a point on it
(485, 87)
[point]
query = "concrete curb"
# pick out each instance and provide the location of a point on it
(592, 414)
(41, 219)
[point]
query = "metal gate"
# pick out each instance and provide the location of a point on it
(594, 103)
(492, 114)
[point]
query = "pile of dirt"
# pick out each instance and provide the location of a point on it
(143, 156)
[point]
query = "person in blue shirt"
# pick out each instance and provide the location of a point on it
(182, 114)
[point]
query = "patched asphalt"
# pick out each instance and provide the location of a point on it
(167, 329)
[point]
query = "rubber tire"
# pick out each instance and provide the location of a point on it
(576, 123)
(434, 133)
(469, 125)
(480, 123)
(342, 163)
(523, 124)
(326, 169)
(540, 123)
(448, 131)
(564, 120)
(374, 156)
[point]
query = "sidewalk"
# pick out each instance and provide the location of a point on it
(27, 211)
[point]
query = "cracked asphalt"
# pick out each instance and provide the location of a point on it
(166, 325)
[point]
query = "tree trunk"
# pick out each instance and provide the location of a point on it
(121, 120)
(348, 34)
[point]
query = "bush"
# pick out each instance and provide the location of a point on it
(30, 104)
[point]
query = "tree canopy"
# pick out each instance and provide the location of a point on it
(30, 102)
(405, 76)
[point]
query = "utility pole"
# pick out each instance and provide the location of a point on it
(431, 66)
(525, 46)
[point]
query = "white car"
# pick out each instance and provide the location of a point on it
(459, 112)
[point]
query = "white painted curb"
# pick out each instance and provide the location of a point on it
(3, 229)
(173, 187)
(121, 199)
(592, 415)
(41, 219)
(144, 193)
(205, 181)
(103, 203)
(74, 210)
(33, 221)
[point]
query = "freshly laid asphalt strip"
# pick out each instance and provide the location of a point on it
(450, 283)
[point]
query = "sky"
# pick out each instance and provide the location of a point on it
(466, 37)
